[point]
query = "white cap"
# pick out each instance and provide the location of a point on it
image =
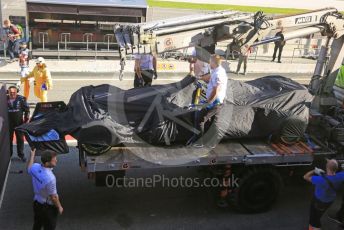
(40, 60)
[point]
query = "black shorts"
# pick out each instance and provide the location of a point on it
(317, 210)
(147, 77)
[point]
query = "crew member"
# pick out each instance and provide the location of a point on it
(145, 69)
(278, 46)
(42, 79)
(326, 186)
(13, 36)
(215, 94)
(24, 67)
(197, 67)
(243, 57)
(46, 205)
(18, 113)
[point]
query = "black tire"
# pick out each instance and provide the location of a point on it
(258, 190)
(95, 150)
(82, 157)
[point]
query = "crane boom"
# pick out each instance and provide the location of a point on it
(246, 30)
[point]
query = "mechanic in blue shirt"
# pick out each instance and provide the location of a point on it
(46, 205)
(339, 216)
(326, 186)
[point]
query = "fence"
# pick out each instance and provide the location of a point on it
(87, 48)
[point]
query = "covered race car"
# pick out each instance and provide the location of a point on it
(104, 116)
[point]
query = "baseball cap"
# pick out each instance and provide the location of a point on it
(40, 60)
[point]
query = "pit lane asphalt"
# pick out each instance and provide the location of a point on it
(89, 207)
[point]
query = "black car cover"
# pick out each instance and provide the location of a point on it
(162, 115)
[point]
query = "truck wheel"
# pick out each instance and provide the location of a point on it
(82, 157)
(258, 189)
(92, 149)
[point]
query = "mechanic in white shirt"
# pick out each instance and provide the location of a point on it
(46, 203)
(145, 69)
(215, 94)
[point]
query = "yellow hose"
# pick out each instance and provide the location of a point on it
(198, 95)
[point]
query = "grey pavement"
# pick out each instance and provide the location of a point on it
(88, 207)
(259, 64)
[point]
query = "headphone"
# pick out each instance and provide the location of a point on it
(12, 87)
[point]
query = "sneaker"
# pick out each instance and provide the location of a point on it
(237, 73)
(279, 62)
(244, 73)
(272, 60)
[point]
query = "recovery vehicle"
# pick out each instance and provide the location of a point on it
(259, 163)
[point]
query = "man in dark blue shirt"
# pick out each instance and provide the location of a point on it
(326, 186)
(18, 113)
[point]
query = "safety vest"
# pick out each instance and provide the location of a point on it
(340, 78)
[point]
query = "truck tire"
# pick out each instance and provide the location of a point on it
(95, 150)
(82, 157)
(258, 189)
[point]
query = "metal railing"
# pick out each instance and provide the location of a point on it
(43, 38)
(87, 46)
(308, 53)
(109, 38)
(65, 37)
(5, 49)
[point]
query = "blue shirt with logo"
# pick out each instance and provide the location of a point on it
(323, 190)
(43, 182)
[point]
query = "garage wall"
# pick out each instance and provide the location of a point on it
(5, 154)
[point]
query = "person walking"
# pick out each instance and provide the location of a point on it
(46, 205)
(42, 79)
(18, 113)
(13, 37)
(24, 67)
(243, 58)
(326, 186)
(278, 46)
(145, 69)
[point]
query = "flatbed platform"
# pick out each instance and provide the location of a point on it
(246, 152)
